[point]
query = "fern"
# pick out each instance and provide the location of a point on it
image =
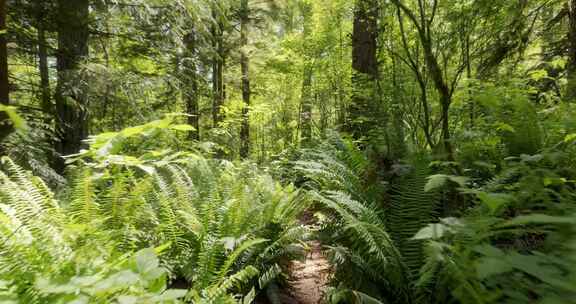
(411, 208)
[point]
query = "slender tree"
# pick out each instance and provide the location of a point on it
(306, 97)
(245, 67)
(5, 126)
(43, 67)
(217, 65)
(445, 89)
(71, 97)
(191, 85)
(4, 85)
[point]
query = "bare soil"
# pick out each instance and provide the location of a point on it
(308, 278)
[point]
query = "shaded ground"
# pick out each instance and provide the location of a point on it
(308, 279)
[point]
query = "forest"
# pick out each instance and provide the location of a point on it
(287, 151)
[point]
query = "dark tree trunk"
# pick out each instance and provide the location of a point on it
(364, 37)
(306, 98)
(245, 67)
(71, 92)
(364, 67)
(191, 86)
(43, 63)
(571, 90)
(217, 71)
(5, 124)
(4, 84)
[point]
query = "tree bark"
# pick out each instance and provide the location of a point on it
(191, 86)
(71, 91)
(5, 124)
(306, 98)
(4, 84)
(245, 67)
(43, 68)
(364, 67)
(571, 89)
(217, 70)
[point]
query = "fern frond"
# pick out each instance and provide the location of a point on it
(240, 277)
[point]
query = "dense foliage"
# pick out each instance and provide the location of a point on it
(189, 151)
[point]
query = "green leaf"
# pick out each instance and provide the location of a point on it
(132, 131)
(182, 127)
(438, 180)
(487, 267)
(146, 260)
(127, 300)
(435, 182)
(18, 122)
(494, 200)
(505, 127)
(539, 74)
(432, 231)
(170, 295)
(570, 138)
(549, 181)
(489, 251)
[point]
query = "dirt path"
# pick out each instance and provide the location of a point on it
(309, 278)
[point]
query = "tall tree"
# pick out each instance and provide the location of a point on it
(423, 18)
(364, 66)
(217, 65)
(5, 126)
(306, 97)
(71, 93)
(43, 58)
(571, 91)
(245, 67)
(191, 85)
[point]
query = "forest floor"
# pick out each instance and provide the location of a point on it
(308, 278)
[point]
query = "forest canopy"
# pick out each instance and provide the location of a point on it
(288, 151)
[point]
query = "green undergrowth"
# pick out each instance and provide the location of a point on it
(140, 224)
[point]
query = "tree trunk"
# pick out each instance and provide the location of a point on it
(306, 98)
(71, 91)
(217, 71)
(43, 66)
(191, 89)
(306, 107)
(364, 67)
(5, 124)
(571, 90)
(443, 91)
(245, 67)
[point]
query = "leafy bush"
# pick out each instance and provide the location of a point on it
(222, 228)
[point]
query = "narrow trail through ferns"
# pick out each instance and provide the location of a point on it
(308, 278)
